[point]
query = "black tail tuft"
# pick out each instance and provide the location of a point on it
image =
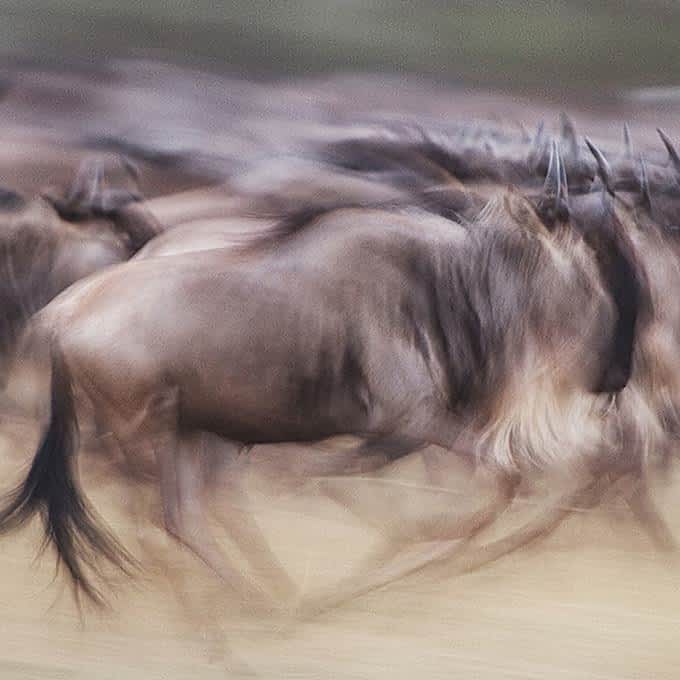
(51, 488)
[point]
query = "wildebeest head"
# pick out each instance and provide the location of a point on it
(593, 217)
(555, 320)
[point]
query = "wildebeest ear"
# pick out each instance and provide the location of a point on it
(553, 204)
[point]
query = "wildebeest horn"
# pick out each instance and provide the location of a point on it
(554, 200)
(551, 205)
(568, 134)
(627, 143)
(564, 185)
(603, 168)
(646, 194)
(672, 151)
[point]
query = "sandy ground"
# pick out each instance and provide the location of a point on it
(595, 600)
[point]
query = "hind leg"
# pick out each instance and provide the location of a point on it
(182, 486)
(146, 429)
(185, 516)
(645, 511)
(243, 529)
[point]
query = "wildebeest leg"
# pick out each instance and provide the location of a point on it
(440, 429)
(644, 509)
(182, 486)
(223, 466)
(640, 502)
(583, 497)
(375, 452)
(391, 447)
(388, 563)
(402, 531)
(243, 529)
(147, 430)
(444, 552)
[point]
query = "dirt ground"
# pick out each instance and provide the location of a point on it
(595, 600)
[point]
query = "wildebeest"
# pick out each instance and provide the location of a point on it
(647, 204)
(494, 340)
(53, 240)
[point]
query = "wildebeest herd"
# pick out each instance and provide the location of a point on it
(507, 299)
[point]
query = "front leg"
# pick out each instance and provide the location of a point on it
(438, 534)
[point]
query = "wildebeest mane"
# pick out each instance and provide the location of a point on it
(405, 162)
(292, 223)
(624, 276)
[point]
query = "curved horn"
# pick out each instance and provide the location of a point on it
(627, 143)
(564, 185)
(603, 168)
(553, 203)
(672, 151)
(551, 186)
(646, 194)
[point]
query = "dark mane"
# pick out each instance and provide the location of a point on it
(449, 203)
(291, 224)
(624, 276)
(404, 162)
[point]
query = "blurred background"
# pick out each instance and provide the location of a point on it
(550, 49)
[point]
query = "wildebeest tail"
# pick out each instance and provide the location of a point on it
(51, 488)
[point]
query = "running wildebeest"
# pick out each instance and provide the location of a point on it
(495, 341)
(51, 241)
(648, 204)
